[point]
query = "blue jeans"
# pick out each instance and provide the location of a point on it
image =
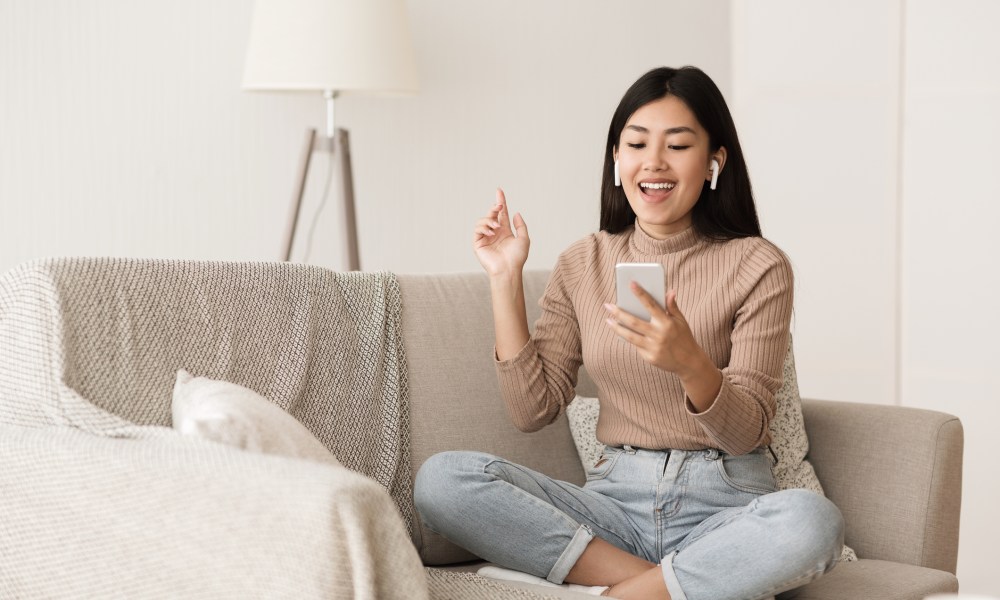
(713, 522)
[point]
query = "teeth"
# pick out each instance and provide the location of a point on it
(658, 186)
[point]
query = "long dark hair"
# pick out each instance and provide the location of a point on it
(725, 213)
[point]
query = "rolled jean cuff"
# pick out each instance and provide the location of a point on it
(670, 578)
(564, 564)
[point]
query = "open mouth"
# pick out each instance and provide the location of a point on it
(656, 191)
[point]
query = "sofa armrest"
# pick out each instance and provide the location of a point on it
(171, 516)
(896, 475)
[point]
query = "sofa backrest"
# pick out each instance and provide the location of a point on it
(96, 344)
(455, 401)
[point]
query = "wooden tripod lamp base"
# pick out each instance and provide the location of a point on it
(340, 146)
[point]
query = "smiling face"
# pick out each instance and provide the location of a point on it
(664, 160)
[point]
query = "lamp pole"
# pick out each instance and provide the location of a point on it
(337, 142)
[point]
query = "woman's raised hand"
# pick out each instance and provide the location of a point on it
(501, 250)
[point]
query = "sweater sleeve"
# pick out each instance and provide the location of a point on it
(739, 418)
(540, 380)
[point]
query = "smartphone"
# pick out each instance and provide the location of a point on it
(649, 276)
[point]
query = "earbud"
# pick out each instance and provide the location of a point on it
(618, 178)
(715, 173)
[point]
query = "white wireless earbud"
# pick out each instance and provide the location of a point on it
(618, 178)
(715, 173)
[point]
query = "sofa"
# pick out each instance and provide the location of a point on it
(116, 503)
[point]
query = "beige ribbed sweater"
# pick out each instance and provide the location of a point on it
(737, 299)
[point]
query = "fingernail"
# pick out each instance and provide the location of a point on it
(608, 306)
(610, 321)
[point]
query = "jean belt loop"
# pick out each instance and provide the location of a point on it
(629, 449)
(711, 454)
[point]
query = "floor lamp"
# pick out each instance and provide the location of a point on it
(335, 47)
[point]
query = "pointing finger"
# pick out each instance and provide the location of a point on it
(503, 216)
(501, 205)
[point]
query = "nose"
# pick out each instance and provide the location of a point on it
(655, 159)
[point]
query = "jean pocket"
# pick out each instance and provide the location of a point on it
(604, 464)
(748, 473)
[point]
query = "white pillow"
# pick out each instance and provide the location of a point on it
(232, 414)
(788, 437)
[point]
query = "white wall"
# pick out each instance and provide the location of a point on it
(950, 276)
(818, 120)
(124, 133)
(870, 130)
(124, 130)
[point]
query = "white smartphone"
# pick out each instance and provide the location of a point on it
(648, 275)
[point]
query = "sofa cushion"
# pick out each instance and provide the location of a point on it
(859, 579)
(86, 516)
(788, 434)
(455, 401)
(875, 579)
(231, 414)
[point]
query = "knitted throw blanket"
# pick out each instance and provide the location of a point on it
(94, 344)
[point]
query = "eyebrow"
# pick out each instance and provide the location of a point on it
(672, 130)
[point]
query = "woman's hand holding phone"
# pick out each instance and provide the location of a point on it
(666, 341)
(501, 249)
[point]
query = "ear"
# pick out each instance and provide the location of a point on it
(720, 156)
(614, 153)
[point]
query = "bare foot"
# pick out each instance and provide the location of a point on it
(646, 586)
(603, 563)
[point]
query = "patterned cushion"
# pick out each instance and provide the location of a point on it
(788, 437)
(582, 413)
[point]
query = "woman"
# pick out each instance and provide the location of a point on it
(682, 504)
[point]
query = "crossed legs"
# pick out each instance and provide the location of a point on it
(523, 520)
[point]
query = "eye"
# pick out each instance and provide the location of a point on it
(637, 146)
(678, 147)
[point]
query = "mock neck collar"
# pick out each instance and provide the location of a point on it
(642, 243)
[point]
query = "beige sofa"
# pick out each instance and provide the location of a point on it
(111, 512)
(895, 473)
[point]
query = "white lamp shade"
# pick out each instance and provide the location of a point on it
(337, 45)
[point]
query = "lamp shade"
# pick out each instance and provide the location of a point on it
(338, 45)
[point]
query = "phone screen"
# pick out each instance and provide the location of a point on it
(650, 276)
